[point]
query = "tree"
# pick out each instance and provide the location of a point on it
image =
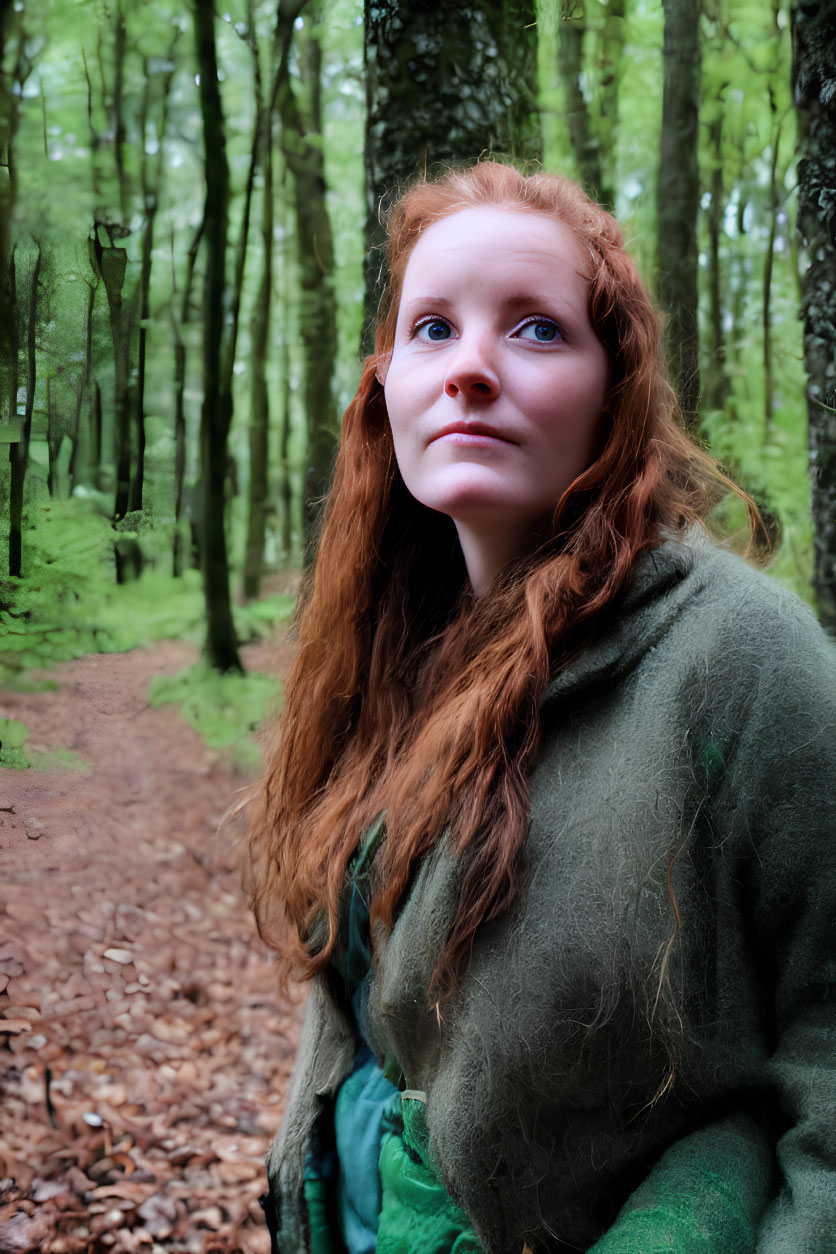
(445, 83)
(585, 143)
(221, 646)
(302, 148)
(8, 125)
(257, 491)
(20, 451)
(678, 197)
(814, 83)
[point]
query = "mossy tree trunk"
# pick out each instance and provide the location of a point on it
(445, 82)
(678, 198)
(221, 646)
(814, 87)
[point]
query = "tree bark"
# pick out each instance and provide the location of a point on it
(20, 451)
(445, 83)
(612, 55)
(221, 646)
(814, 89)
(301, 139)
(110, 264)
(716, 379)
(83, 384)
(257, 491)
(8, 184)
(768, 265)
(180, 389)
(96, 423)
(678, 196)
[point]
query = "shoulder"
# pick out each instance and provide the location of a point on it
(695, 614)
(741, 621)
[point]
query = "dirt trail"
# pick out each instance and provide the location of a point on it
(144, 1053)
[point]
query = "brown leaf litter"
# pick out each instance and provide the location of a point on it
(144, 1051)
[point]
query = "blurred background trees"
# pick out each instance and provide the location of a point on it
(189, 245)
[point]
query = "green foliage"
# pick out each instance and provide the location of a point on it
(68, 603)
(13, 736)
(227, 710)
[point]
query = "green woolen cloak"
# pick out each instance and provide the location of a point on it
(642, 1053)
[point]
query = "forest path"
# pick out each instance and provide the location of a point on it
(144, 1052)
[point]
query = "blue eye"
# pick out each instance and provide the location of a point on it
(435, 329)
(541, 330)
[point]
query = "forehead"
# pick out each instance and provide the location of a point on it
(498, 241)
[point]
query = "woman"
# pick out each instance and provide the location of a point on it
(547, 818)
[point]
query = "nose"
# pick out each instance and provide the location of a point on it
(472, 373)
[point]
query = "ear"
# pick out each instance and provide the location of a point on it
(382, 367)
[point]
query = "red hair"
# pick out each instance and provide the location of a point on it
(407, 694)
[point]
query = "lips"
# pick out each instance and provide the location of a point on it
(471, 432)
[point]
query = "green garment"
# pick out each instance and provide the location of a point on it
(417, 1216)
(604, 1079)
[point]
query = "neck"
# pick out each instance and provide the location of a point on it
(488, 551)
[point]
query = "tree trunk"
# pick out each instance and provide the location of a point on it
(585, 146)
(678, 197)
(180, 389)
(814, 89)
(83, 385)
(716, 380)
(445, 82)
(284, 493)
(768, 264)
(96, 422)
(119, 49)
(612, 55)
(150, 200)
(8, 126)
(18, 463)
(257, 492)
(20, 451)
(216, 411)
(301, 138)
(110, 265)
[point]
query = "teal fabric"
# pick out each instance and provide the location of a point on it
(358, 1114)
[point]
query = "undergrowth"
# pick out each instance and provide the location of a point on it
(68, 604)
(227, 710)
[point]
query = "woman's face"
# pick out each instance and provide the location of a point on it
(497, 380)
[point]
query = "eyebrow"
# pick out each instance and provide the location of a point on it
(517, 300)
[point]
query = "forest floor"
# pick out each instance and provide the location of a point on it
(144, 1051)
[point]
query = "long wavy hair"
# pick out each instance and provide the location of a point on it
(410, 695)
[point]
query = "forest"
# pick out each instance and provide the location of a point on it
(190, 263)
